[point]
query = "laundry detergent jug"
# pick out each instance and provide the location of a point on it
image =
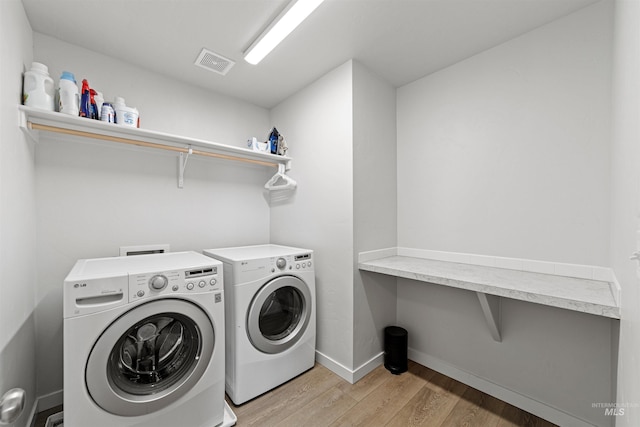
(38, 90)
(68, 95)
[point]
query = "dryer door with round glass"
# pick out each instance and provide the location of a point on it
(279, 314)
(149, 357)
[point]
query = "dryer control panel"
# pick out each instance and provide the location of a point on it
(257, 269)
(197, 280)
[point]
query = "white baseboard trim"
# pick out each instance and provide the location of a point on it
(351, 375)
(33, 415)
(50, 400)
(367, 367)
(518, 400)
(336, 367)
(45, 402)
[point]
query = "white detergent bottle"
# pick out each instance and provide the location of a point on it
(38, 91)
(68, 94)
(125, 116)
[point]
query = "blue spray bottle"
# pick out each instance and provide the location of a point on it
(85, 100)
(93, 105)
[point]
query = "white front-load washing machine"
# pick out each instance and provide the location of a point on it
(144, 342)
(270, 314)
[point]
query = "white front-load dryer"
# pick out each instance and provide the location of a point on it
(270, 314)
(144, 342)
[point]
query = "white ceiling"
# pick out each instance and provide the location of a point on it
(400, 40)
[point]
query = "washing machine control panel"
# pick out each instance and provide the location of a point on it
(158, 282)
(291, 262)
(197, 280)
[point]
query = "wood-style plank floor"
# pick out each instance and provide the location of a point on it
(419, 397)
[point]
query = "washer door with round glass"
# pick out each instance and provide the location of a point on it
(279, 314)
(150, 357)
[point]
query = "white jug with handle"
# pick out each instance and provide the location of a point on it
(68, 95)
(38, 89)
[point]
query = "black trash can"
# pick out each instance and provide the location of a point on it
(395, 349)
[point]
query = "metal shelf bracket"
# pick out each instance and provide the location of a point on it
(182, 165)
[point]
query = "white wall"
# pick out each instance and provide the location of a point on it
(17, 214)
(506, 153)
(94, 197)
(526, 120)
(374, 208)
(317, 123)
(556, 357)
(165, 104)
(341, 130)
(625, 200)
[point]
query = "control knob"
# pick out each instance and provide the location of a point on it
(281, 263)
(158, 282)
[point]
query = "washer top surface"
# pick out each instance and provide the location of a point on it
(105, 267)
(246, 253)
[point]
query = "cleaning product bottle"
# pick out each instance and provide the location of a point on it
(126, 116)
(85, 100)
(99, 101)
(68, 96)
(38, 90)
(93, 105)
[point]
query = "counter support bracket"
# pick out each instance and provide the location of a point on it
(491, 309)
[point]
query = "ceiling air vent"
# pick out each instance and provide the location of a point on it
(213, 62)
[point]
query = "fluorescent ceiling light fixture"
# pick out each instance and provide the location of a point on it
(296, 12)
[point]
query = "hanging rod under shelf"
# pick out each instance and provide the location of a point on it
(73, 132)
